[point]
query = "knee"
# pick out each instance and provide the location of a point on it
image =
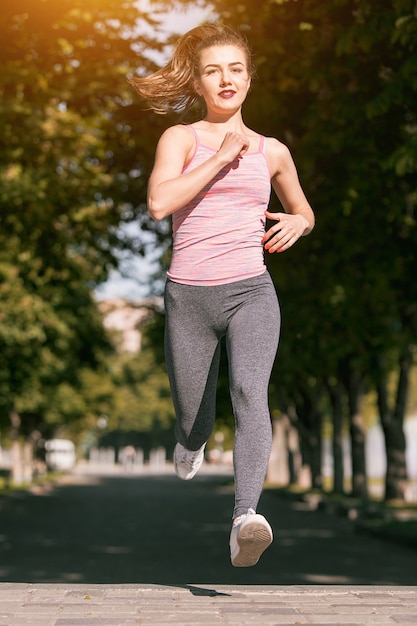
(249, 395)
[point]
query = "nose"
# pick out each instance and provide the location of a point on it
(225, 78)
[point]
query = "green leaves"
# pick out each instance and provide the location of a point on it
(63, 191)
(337, 83)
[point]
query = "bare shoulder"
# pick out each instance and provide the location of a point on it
(176, 145)
(177, 134)
(175, 148)
(278, 156)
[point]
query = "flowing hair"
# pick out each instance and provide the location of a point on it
(172, 86)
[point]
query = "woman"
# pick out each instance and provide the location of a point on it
(214, 178)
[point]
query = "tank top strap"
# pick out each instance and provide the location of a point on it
(262, 144)
(193, 130)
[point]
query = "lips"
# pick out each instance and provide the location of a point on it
(227, 93)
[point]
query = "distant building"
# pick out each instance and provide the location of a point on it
(125, 319)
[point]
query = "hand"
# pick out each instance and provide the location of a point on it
(288, 229)
(234, 146)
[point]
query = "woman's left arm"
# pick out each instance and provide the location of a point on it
(298, 218)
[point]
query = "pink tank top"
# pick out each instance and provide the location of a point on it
(218, 235)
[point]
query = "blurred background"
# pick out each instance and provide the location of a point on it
(82, 264)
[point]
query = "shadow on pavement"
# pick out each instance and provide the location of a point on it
(160, 530)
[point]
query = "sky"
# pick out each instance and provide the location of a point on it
(134, 284)
(177, 21)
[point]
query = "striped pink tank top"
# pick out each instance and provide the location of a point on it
(218, 235)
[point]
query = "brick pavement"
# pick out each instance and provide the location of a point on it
(23, 604)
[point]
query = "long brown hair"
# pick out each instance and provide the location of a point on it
(172, 86)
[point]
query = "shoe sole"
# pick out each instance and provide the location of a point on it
(253, 540)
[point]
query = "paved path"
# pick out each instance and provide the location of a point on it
(204, 605)
(130, 549)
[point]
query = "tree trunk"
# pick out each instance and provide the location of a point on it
(392, 421)
(336, 401)
(357, 436)
(278, 471)
(285, 459)
(316, 462)
(294, 454)
(16, 453)
(396, 478)
(307, 419)
(312, 446)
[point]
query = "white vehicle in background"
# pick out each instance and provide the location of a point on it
(60, 454)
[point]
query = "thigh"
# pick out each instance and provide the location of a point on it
(191, 350)
(190, 336)
(253, 335)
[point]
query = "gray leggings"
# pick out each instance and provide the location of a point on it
(247, 314)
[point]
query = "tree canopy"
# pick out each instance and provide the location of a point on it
(336, 82)
(71, 171)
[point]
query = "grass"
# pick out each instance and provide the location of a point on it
(391, 520)
(7, 485)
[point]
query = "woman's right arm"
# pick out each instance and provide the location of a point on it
(169, 190)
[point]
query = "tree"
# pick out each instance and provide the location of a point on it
(71, 171)
(335, 83)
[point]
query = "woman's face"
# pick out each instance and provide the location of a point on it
(224, 78)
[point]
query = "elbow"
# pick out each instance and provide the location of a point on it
(156, 211)
(155, 215)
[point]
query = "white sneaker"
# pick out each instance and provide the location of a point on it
(187, 462)
(250, 536)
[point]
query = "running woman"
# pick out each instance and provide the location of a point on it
(214, 179)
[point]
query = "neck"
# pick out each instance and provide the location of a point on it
(229, 122)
